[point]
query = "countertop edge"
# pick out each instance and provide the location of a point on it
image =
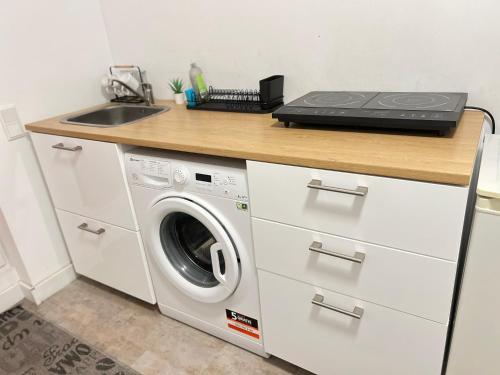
(172, 131)
(430, 177)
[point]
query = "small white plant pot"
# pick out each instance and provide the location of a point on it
(179, 98)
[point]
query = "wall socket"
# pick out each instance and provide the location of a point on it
(11, 123)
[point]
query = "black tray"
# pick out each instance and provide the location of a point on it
(235, 107)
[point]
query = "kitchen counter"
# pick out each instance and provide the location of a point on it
(415, 156)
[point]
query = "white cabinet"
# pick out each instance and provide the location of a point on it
(328, 342)
(85, 177)
(109, 254)
(88, 186)
(412, 283)
(420, 217)
(355, 243)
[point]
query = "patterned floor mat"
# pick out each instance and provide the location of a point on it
(29, 345)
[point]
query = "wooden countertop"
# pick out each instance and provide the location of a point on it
(448, 159)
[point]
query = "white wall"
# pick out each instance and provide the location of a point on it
(53, 54)
(440, 45)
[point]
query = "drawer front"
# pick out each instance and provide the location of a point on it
(409, 282)
(415, 216)
(85, 178)
(114, 257)
(382, 341)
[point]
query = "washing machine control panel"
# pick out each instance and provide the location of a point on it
(224, 183)
(190, 173)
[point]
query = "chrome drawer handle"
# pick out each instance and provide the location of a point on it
(357, 313)
(318, 248)
(61, 146)
(360, 191)
(85, 227)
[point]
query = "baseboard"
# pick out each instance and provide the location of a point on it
(10, 297)
(10, 291)
(49, 286)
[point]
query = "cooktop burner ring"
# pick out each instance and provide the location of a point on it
(414, 101)
(335, 99)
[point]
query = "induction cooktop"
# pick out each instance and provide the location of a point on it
(438, 111)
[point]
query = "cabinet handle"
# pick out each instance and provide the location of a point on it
(61, 146)
(357, 313)
(318, 248)
(360, 191)
(85, 227)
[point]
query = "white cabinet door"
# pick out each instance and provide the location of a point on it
(85, 177)
(413, 283)
(383, 341)
(415, 216)
(109, 254)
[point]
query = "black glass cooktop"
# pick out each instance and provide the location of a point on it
(405, 110)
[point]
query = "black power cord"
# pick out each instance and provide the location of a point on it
(485, 111)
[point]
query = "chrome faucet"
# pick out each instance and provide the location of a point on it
(147, 89)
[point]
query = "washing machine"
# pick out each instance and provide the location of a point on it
(193, 213)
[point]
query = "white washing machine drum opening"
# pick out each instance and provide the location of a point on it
(193, 250)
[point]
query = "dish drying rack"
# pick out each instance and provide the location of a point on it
(129, 99)
(265, 100)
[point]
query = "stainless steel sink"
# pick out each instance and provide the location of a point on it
(115, 115)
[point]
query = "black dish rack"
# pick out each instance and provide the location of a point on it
(265, 100)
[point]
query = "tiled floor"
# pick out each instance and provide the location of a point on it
(138, 335)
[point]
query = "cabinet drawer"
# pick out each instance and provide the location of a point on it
(114, 257)
(413, 283)
(415, 216)
(382, 341)
(85, 178)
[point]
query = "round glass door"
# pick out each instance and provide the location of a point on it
(193, 250)
(187, 243)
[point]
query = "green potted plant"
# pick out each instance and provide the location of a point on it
(176, 85)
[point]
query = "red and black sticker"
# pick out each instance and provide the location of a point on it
(243, 324)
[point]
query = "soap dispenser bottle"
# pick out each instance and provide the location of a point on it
(198, 82)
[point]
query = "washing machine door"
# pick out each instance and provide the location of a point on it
(193, 250)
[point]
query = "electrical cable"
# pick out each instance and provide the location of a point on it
(484, 111)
